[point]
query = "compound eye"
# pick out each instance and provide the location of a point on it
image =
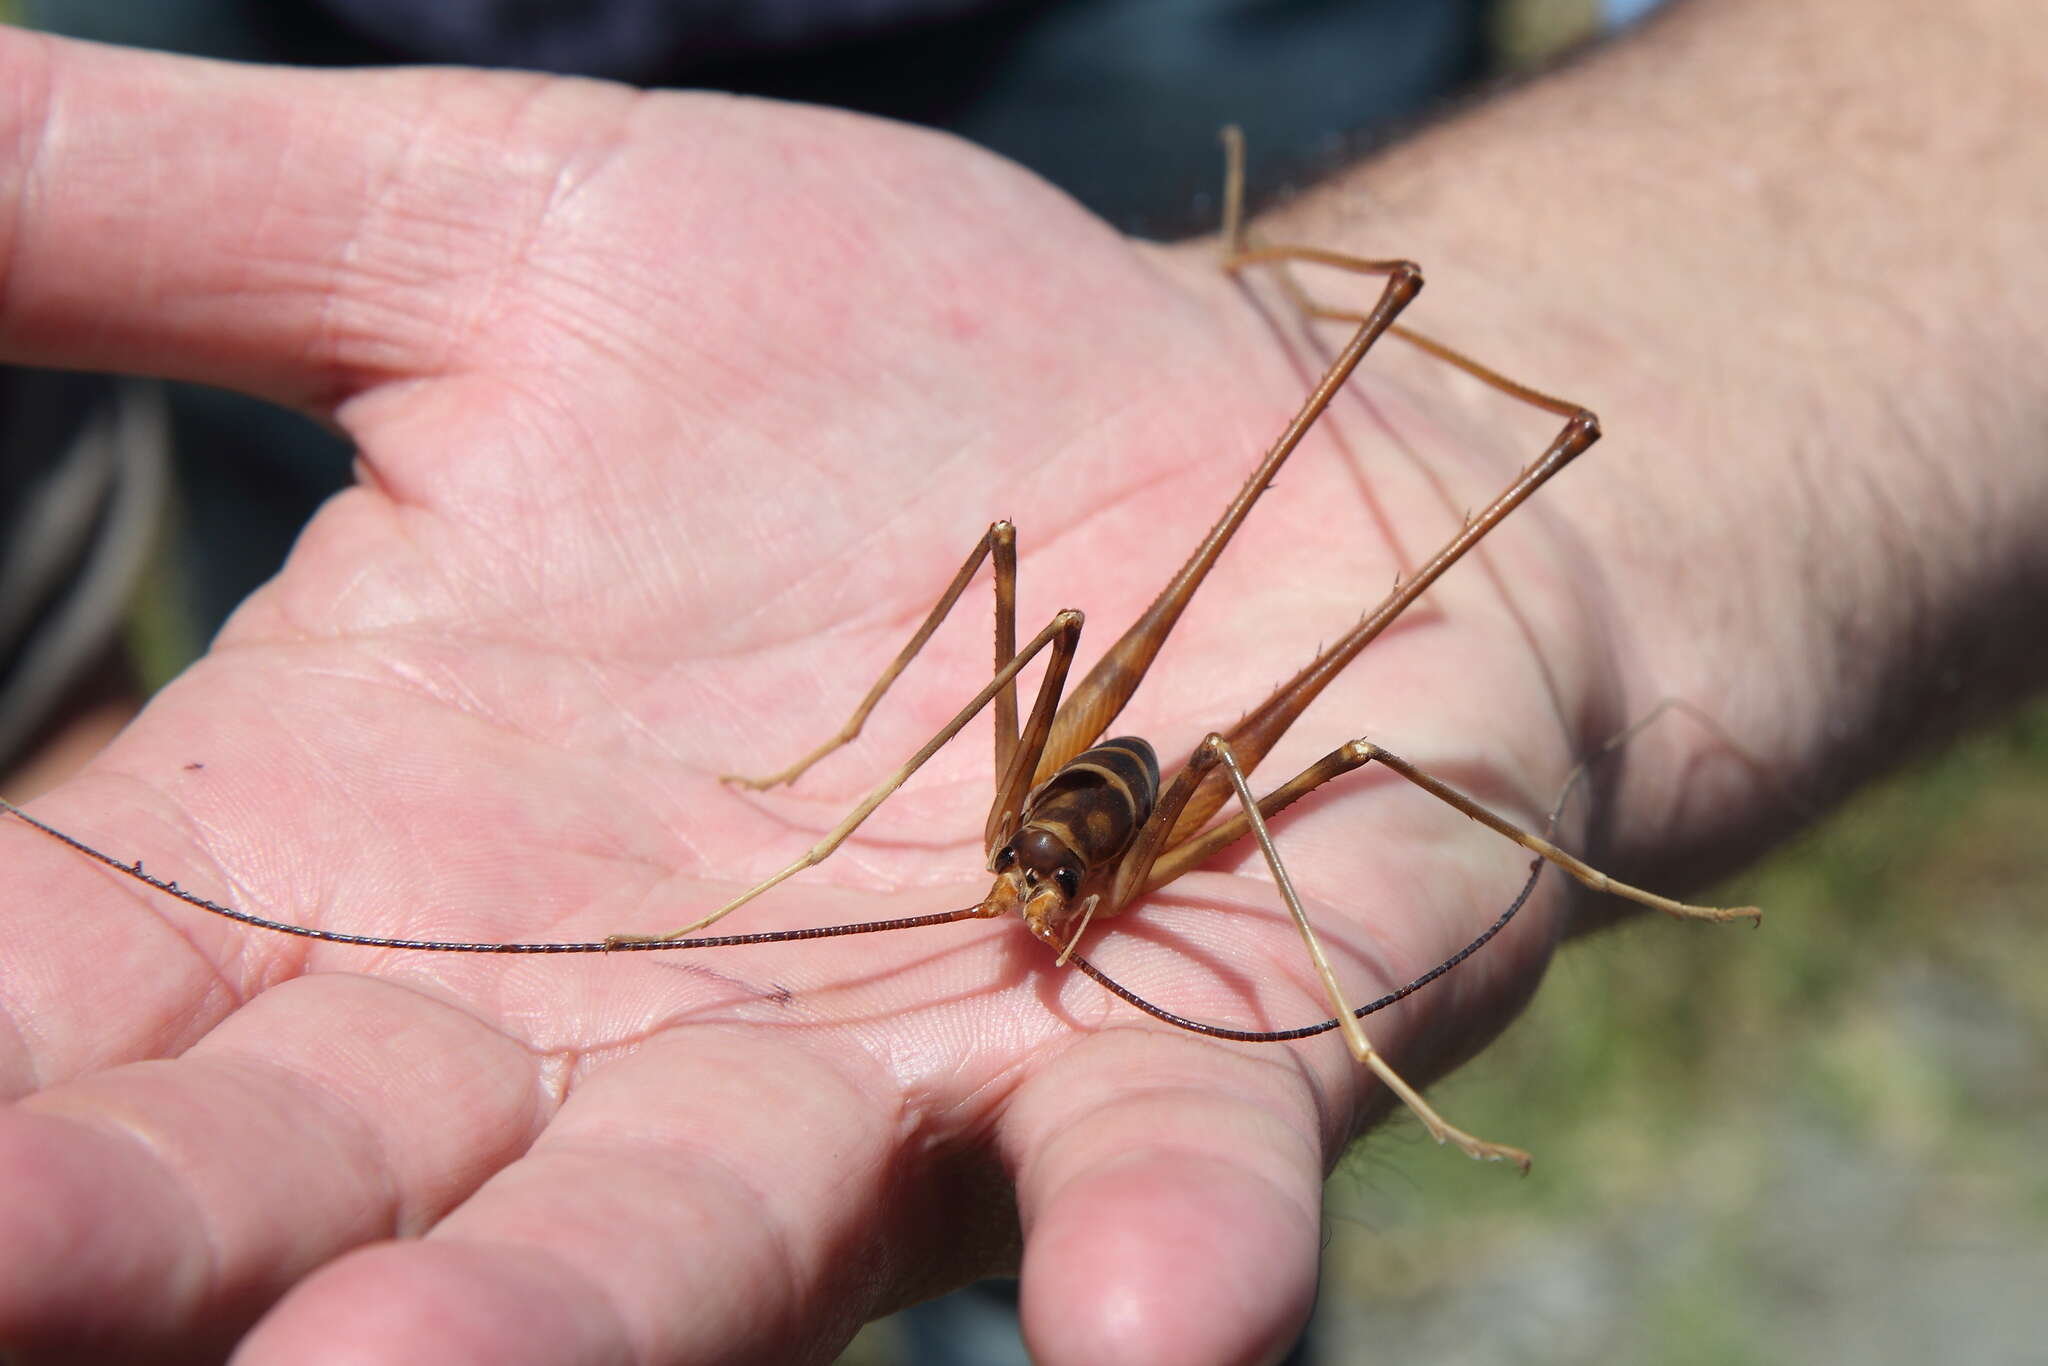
(1068, 880)
(1005, 856)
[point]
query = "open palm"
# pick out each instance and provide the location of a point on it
(675, 413)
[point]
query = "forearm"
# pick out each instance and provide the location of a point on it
(1793, 255)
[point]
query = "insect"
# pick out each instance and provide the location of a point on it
(1082, 827)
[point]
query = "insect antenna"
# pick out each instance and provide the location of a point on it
(372, 941)
(1157, 1012)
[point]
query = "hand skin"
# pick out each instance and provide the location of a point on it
(675, 412)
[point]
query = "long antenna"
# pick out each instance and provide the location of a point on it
(1124, 993)
(719, 941)
(372, 941)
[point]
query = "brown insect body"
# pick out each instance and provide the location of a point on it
(1073, 834)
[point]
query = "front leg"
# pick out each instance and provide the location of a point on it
(1063, 633)
(1000, 541)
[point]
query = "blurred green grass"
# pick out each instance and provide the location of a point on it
(1813, 1142)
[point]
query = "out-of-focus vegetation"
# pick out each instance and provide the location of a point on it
(1817, 1141)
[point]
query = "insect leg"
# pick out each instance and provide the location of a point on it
(1000, 541)
(1259, 730)
(1135, 869)
(1148, 876)
(1063, 633)
(1193, 852)
(1241, 249)
(1354, 1032)
(1536, 844)
(1099, 697)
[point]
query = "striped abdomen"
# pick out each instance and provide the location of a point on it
(1084, 816)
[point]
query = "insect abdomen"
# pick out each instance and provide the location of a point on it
(1098, 801)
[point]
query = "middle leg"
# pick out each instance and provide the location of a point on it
(1354, 1032)
(1192, 852)
(999, 541)
(1063, 633)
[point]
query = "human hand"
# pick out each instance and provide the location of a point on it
(675, 412)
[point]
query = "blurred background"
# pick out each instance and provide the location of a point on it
(1811, 1143)
(1817, 1142)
